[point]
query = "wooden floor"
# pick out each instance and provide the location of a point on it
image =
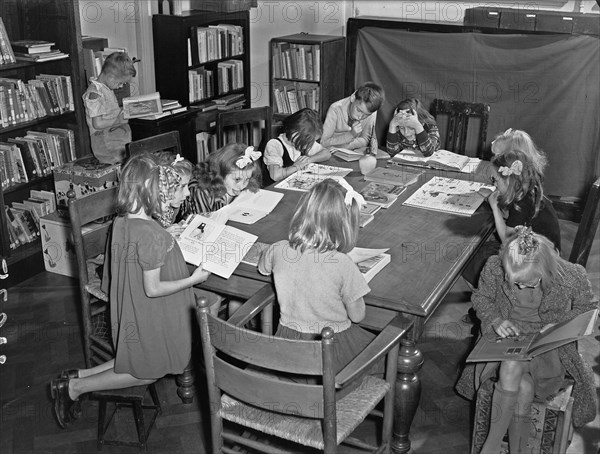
(43, 338)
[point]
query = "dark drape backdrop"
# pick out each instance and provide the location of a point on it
(547, 85)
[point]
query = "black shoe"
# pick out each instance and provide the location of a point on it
(59, 388)
(75, 411)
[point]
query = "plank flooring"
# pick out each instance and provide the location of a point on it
(44, 337)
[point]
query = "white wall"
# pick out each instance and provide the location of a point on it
(128, 24)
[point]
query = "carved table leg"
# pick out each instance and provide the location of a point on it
(185, 384)
(408, 394)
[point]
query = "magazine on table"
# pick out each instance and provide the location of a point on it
(450, 195)
(381, 194)
(218, 247)
(397, 176)
(312, 174)
(370, 261)
(524, 348)
(249, 207)
(441, 159)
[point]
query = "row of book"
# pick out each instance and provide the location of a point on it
(201, 84)
(24, 225)
(47, 94)
(35, 155)
(206, 144)
(291, 98)
(230, 76)
(214, 43)
(296, 61)
(7, 55)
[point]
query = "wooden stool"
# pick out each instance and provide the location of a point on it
(128, 397)
(552, 429)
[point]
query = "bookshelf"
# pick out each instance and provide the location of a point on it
(203, 67)
(305, 72)
(55, 21)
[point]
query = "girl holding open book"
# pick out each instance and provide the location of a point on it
(412, 127)
(317, 283)
(150, 290)
(524, 290)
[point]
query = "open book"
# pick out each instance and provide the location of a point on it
(441, 159)
(370, 261)
(249, 207)
(354, 155)
(312, 174)
(381, 194)
(449, 195)
(142, 105)
(218, 247)
(524, 348)
(397, 176)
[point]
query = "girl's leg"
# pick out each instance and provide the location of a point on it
(107, 379)
(518, 430)
(97, 369)
(504, 401)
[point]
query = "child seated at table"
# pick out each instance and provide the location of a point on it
(412, 127)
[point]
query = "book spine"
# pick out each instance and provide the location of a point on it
(18, 158)
(5, 48)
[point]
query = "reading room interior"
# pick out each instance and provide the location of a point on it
(246, 226)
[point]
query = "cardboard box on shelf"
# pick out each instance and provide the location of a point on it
(85, 176)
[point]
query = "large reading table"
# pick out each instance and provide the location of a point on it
(429, 250)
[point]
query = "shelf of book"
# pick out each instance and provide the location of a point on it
(33, 136)
(304, 72)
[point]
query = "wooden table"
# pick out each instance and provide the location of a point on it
(429, 250)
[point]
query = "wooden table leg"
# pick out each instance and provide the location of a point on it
(408, 394)
(185, 384)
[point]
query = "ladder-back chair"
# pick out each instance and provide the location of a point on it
(89, 242)
(248, 126)
(462, 125)
(244, 385)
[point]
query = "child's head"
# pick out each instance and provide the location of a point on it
(410, 105)
(515, 177)
(183, 168)
(117, 70)
(303, 129)
(323, 221)
(230, 170)
(139, 186)
(368, 98)
(515, 139)
(529, 259)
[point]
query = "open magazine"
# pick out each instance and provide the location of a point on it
(441, 159)
(370, 261)
(249, 207)
(218, 247)
(524, 348)
(312, 174)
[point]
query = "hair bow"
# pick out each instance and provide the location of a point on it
(168, 181)
(527, 243)
(249, 157)
(351, 194)
(515, 169)
(178, 158)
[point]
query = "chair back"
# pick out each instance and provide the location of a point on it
(462, 125)
(586, 232)
(168, 141)
(249, 126)
(89, 241)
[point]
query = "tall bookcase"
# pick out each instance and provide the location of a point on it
(56, 21)
(306, 71)
(190, 68)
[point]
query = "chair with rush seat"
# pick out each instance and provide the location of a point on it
(462, 125)
(245, 387)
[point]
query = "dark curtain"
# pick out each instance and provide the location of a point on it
(546, 85)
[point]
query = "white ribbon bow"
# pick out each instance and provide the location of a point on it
(515, 169)
(177, 159)
(351, 194)
(249, 157)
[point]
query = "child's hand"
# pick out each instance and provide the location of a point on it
(357, 128)
(493, 199)
(485, 192)
(175, 230)
(506, 329)
(411, 120)
(302, 162)
(200, 275)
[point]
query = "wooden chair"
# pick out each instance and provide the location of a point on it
(249, 126)
(588, 227)
(462, 125)
(89, 242)
(168, 141)
(242, 370)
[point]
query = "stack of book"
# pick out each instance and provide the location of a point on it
(47, 94)
(7, 55)
(35, 155)
(441, 159)
(385, 185)
(24, 217)
(36, 50)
